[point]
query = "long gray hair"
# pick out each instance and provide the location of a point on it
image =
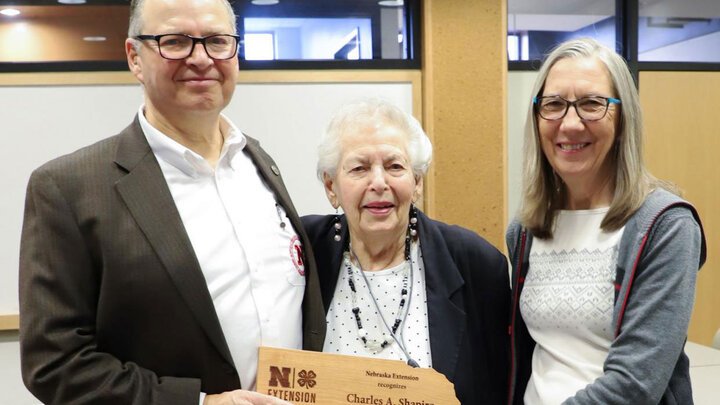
(543, 191)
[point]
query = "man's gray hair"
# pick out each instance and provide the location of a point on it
(136, 21)
(368, 113)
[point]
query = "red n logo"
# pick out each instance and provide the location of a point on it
(298, 251)
(276, 375)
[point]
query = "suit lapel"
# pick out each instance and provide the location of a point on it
(446, 318)
(271, 174)
(334, 258)
(148, 198)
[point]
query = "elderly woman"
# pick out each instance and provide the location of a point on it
(395, 283)
(605, 256)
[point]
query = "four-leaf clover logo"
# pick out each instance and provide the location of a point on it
(307, 379)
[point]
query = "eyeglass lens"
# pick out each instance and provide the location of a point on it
(588, 108)
(180, 46)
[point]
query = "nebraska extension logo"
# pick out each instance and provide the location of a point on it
(296, 254)
(282, 377)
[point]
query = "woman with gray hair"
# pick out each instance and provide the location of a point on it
(395, 283)
(605, 256)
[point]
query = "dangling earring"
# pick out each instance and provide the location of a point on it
(412, 230)
(337, 225)
(412, 226)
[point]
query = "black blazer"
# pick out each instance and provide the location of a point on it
(468, 299)
(114, 308)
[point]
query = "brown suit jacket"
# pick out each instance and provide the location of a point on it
(114, 308)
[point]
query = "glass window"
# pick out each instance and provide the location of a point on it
(679, 31)
(330, 29)
(39, 35)
(259, 46)
(535, 27)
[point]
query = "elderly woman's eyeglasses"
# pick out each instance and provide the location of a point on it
(180, 46)
(554, 108)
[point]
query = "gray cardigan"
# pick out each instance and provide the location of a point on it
(660, 253)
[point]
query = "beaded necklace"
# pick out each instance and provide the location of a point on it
(377, 345)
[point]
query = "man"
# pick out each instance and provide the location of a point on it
(155, 262)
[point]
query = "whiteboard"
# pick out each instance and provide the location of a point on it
(40, 123)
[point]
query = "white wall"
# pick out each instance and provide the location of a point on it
(43, 122)
(288, 119)
(519, 94)
(39, 124)
(12, 389)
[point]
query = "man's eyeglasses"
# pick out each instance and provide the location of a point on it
(180, 46)
(591, 108)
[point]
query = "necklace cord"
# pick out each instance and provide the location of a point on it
(399, 341)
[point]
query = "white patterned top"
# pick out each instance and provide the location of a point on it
(567, 305)
(342, 332)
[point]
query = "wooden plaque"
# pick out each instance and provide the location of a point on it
(304, 377)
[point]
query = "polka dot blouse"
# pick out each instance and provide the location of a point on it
(342, 331)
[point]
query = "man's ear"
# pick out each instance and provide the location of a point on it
(133, 59)
(330, 191)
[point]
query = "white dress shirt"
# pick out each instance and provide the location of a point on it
(248, 251)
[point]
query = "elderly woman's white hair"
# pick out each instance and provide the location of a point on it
(372, 112)
(543, 190)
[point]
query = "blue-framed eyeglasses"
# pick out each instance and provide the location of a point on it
(591, 108)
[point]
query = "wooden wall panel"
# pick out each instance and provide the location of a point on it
(55, 33)
(464, 106)
(683, 141)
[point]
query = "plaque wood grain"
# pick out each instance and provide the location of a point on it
(304, 377)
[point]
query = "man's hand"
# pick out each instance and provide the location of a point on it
(242, 397)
